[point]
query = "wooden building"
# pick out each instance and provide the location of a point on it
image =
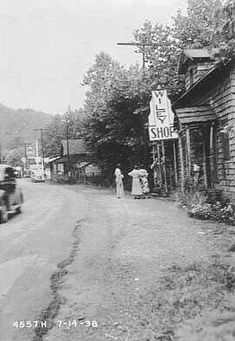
(205, 120)
(87, 172)
(79, 162)
(71, 154)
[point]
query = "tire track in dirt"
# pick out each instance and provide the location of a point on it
(48, 314)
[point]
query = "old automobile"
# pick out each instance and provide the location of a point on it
(37, 176)
(11, 197)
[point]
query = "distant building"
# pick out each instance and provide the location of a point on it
(205, 120)
(78, 161)
(87, 172)
(75, 152)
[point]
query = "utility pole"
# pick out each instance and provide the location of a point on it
(66, 121)
(67, 138)
(143, 45)
(25, 155)
(42, 148)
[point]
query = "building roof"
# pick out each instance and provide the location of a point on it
(72, 159)
(197, 53)
(203, 55)
(53, 159)
(76, 146)
(81, 164)
(219, 71)
(197, 114)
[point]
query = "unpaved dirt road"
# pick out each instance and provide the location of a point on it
(78, 255)
(31, 246)
(124, 245)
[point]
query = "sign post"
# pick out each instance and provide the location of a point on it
(161, 129)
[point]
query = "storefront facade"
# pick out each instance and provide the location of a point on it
(205, 121)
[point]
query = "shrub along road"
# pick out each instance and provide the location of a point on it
(133, 269)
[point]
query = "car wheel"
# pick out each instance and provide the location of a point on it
(3, 214)
(18, 210)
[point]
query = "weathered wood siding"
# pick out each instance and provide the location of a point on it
(198, 70)
(202, 69)
(221, 97)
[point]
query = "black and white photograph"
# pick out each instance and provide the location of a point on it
(117, 170)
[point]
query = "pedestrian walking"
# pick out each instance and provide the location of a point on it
(136, 190)
(144, 182)
(119, 184)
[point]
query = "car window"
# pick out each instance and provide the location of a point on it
(9, 173)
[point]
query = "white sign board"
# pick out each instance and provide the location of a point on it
(161, 118)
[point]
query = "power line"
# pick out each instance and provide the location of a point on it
(143, 45)
(42, 148)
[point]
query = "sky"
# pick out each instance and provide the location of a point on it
(48, 45)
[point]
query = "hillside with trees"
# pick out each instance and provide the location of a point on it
(17, 128)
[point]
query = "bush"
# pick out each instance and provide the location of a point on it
(205, 204)
(194, 192)
(225, 214)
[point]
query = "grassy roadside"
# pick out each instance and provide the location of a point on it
(195, 302)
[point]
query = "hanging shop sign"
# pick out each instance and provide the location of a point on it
(161, 117)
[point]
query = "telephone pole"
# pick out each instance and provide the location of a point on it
(66, 120)
(67, 138)
(25, 155)
(42, 148)
(143, 45)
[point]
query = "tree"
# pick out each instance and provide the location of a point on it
(207, 23)
(57, 131)
(196, 29)
(14, 156)
(224, 34)
(113, 132)
(162, 52)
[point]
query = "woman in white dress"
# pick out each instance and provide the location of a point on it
(119, 184)
(136, 185)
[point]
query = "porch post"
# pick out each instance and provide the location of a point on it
(154, 163)
(164, 165)
(188, 149)
(181, 162)
(212, 170)
(175, 162)
(160, 163)
(204, 158)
